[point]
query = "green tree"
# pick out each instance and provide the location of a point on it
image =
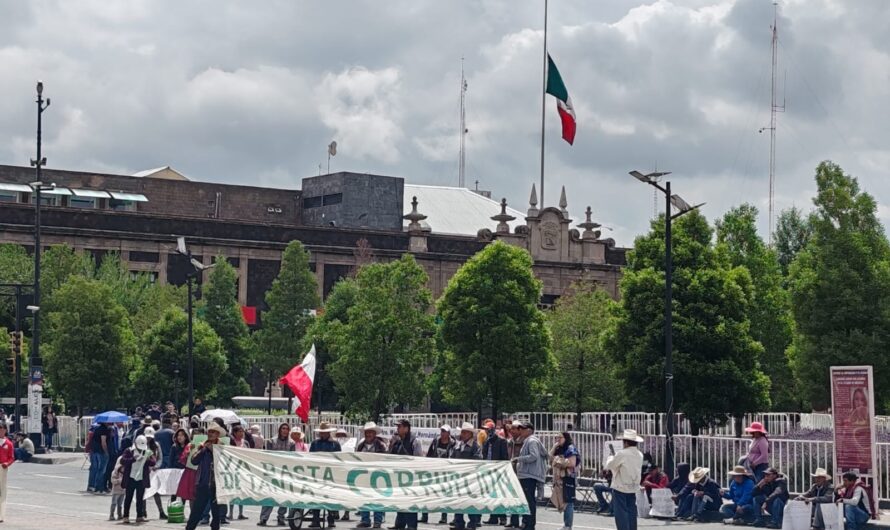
(793, 231)
(90, 342)
(770, 310)
(840, 288)
(711, 330)
(585, 378)
(498, 345)
(16, 266)
(144, 299)
(165, 347)
(222, 312)
(387, 341)
(325, 329)
(57, 264)
(292, 296)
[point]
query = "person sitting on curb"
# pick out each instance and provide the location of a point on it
(821, 492)
(25, 449)
(740, 509)
(856, 502)
(770, 497)
(699, 500)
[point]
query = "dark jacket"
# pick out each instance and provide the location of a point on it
(127, 459)
(681, 480)
(468, 451)
(378, 446)
(330, 446)
(709, 486)
(410, 447)
(174, 457)
(204, 460)
(495, 448)
(820, 495)
(433, 452)
(777, 489)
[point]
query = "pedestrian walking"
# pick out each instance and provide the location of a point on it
(371, 443)
(531, 468)
(155, 448)
(565, 460)
(467, 449)
(7, 458)
(282, 443)
(117, 491)
(626, 467)
(205, 489)
(138, 461)
(405, 443)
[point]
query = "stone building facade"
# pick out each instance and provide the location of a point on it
(139, 218)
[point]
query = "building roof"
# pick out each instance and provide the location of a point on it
(165, 172)
(455, 210)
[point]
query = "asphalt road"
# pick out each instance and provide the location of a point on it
(53, 496)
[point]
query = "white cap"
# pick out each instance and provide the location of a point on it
(149, 432)
(141, 443)
(445, 427)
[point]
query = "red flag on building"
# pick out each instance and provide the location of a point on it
(299, 379)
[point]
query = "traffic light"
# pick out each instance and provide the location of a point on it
(15, 343)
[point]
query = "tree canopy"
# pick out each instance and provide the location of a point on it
(496, 339)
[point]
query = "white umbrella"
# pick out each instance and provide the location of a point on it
(227, 416)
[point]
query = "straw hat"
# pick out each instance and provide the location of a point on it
(467, 426)
(371, 426)
(325, 427)
(739, 471)
(756, 426)
(698, 474)
(820, 472)
(214, 427)
(631, 436)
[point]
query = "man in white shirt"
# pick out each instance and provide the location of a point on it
(626, 467)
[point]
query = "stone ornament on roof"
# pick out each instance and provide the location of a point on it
(415, 217)
(533, 203)
(503, 218)
(589, 226)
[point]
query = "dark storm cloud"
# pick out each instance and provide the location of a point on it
(252, 93)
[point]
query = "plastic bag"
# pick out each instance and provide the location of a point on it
(796, 516)
(642, 504)
(832, 516)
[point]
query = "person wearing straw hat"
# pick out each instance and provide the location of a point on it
(757, 459)
(740, 509)
(821, 492)
(627, 470)
(371, 443)
(323, 444)
(699, 500)
(467, 449)
(205, 487)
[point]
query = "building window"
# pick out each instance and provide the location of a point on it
(122, 206)
(311, 202)
(9, 196)
(144, 257)
(81, 202)
(45, 200)
(334, 198)
(151, 275)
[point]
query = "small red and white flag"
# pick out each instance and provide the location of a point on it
(299, 379)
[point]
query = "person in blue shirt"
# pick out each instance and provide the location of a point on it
(740, 509)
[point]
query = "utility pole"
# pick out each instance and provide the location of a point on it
(774, 109)
(462, 163)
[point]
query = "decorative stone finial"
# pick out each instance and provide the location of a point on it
(533, 203)
(563, 203)
(588, 226)
(415, 217)
(502, 218)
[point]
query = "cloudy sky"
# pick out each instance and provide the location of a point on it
(252, 92)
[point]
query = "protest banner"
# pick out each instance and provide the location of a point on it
(163, 482)
(365, 482)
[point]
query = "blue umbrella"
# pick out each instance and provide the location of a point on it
(112, 416)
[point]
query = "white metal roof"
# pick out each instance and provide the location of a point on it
(149, 172)
(15, 187)
(135, 197)
(99, 194)
(459, 211)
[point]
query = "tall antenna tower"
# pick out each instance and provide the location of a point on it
(462, 164)
(774, 108)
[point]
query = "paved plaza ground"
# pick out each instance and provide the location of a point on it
(52, 496)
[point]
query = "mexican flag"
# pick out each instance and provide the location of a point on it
(557, 89)
(299, 379)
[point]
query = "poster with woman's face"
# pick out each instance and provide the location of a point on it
(851, 397)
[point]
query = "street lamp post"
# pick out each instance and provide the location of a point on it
(198, 269)
(34, 358)
(683, 207)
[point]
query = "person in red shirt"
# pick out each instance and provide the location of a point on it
(7, 457)
(654, 480)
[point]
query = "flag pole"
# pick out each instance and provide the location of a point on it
(543, 103)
